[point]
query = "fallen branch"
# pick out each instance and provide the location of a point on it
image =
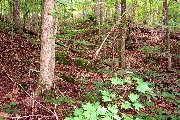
(98, 50)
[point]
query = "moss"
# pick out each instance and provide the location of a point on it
(84, 64)
(68, 78)
(90, 97)
(61, 58)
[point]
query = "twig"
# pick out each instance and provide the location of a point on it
(54, 114)
(112, 29)
(98, 50)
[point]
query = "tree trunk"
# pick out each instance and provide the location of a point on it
(165, 22)
(47, 55)
(16, 12)
(122, 27)
(116, 5)
(99, 11)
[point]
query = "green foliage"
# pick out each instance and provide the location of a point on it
(125, 117)
(126, 105)
(116, 81)
(60, 100)
(94, 111)
(90, 110)
(143, 87)
(133, 102)
(61, 58)
(90, 97)
(137, 105)
(106, 96)
(133, 97)
(150, 50)
(84, 64)
(149, 103)
(68, 78)
(168, 96)
(81, 42)
(10, 108)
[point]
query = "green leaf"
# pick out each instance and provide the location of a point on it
(133, 97)
(143, 87)
(126, 117)
(177, 101)
(113, 108)
(12, 111)
(2, 119)
(6, 106)
(168, 95)
(162, 117)
(173, 117)
(138, 105)
(159, 111)
(88, 106)
(106, 96)
(149, 103)
(78, 112)
(126, 105)
(116, 81)
(138, 80)
(13, 103)
(139, 119)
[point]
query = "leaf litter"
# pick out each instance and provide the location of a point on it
(20, 61)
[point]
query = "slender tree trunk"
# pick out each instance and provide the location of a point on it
(1, 10)
(16, 12)
(122, 26)
(10, 16)
(145, 12)
(151, 13)
(116, 11)
(47, 56)
(99, 11)
(165, 22)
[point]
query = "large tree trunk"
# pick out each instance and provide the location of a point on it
(47, 55)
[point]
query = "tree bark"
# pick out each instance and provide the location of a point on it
(16, 12)
(116, 5)
(167, 38)
(47, 55)
(122, 28)
(99, 11)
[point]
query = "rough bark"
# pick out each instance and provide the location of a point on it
(99, 11)
(16, 12)
(116, 5)
(165, 22)
(47, 55)
(122, 28)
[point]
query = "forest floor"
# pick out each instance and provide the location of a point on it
(20, 61)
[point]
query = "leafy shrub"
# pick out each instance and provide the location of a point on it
(10, 108)
(150, 50)
(94, 111)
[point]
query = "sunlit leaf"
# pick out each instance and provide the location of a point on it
(133, 97)
(143, 87)
(138, 80)
(138, 105)
(116, 81)
(126, 105)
